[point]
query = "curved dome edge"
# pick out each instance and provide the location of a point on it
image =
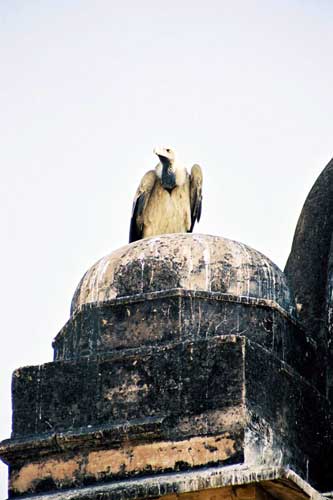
(186, 261)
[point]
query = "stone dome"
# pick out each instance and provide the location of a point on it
(183, 261)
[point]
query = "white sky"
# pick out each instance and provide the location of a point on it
(88, 88)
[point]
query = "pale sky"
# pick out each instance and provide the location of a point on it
(88, 88)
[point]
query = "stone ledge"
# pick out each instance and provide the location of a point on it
(280, 483)
(92, 307)
(201, 294)
(196, 389)
(146, 429)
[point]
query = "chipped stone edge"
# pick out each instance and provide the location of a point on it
(188, 482)
(149, 428)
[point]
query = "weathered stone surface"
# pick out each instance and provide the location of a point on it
(307, 268)
(232, 289)
(215, 401)
(182, 353)
(290, 419)
(179, 378)
(86, 467)
(188, 261)
(180, 315)
(232, 482)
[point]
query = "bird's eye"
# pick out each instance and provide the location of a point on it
(168, 150)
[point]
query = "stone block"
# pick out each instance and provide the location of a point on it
(210, 402)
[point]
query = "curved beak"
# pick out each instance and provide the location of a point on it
(157, 151)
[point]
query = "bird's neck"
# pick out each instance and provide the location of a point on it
(168, 178)
(166, 163)
(165, 169)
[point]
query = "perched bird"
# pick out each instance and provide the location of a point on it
(168, 199)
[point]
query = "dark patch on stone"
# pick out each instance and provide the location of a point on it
(145, 276)
(46, 484)
(212, 448)
(41, 486)
(268, 324)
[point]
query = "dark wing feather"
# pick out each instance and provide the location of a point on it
(195, 194)
(139, 204)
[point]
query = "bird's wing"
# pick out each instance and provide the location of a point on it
(195, 194)
(139, 204)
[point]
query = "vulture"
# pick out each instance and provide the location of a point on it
(168, 199)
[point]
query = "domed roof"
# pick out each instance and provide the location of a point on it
(189, 261)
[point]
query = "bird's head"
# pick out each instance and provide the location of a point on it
(165, 154)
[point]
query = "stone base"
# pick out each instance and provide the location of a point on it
(227, 483)
(211, 402)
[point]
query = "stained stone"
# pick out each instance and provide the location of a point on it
(182, 354)
(309, 271)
